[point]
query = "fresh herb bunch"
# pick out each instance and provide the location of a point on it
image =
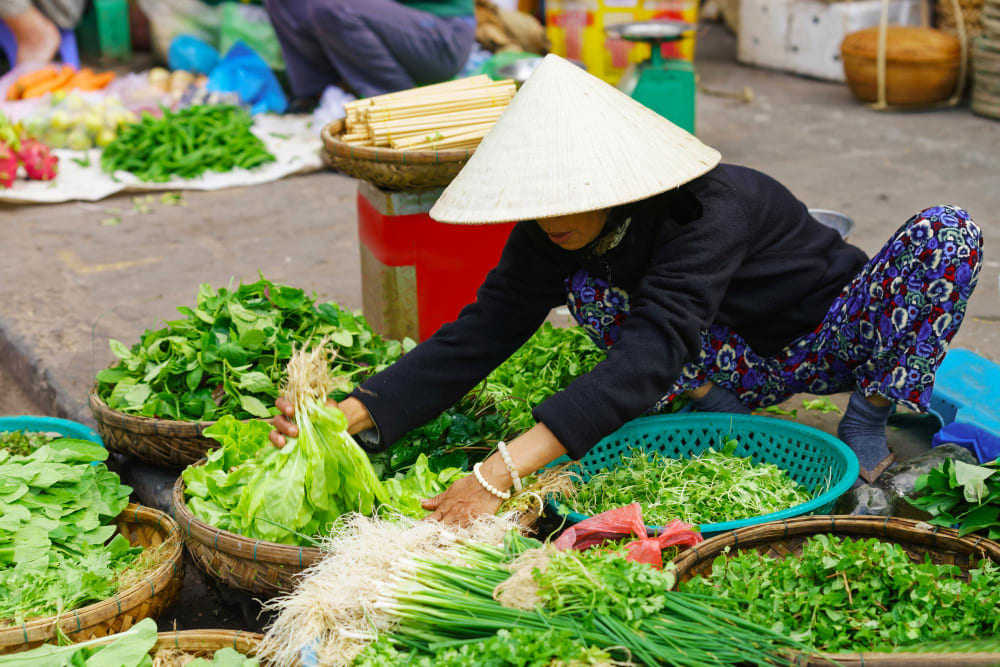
(228, 355)
(958, 494)
(186, 144)
(58, 546)
(713, 487)
(856, 595)
(22, 443)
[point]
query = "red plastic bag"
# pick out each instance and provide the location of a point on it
(622, 522)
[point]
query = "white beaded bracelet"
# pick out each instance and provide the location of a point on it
(511, 468)
(502, 495)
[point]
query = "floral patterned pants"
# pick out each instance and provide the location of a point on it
(886, 333)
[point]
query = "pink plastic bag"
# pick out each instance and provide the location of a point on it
(623, 522)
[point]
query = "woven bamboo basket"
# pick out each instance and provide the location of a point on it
(143, 526)
(780, 539)
(159, 442)
(240, 562)
(971, 12)
(204, 643)
(389, 168)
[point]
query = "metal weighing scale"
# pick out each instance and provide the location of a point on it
(665, 85)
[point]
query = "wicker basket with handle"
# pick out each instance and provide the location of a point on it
(157, 590)
(780, 539)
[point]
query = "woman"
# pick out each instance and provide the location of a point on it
(371, 46)
(35, 25)
(705, 279)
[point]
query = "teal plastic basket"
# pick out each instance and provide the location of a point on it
(812, 458)
(70, 429)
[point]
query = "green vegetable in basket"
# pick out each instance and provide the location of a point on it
(58, 546)
(959, 494)
(227, 355)
(186, 144)
(714, 487)
(22, 443)
(846, 595)
(126, 649)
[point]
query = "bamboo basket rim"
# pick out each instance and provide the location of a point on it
(77, 620)
(208, 639)
(338, 148)
(150, 425)
(234, 544)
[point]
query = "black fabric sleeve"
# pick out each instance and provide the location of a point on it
(511, 304)
(691, 267)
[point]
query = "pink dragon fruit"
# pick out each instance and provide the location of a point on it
(38, 160)
(8, 166)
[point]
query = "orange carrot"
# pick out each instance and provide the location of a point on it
(48, 85)
(16, 89)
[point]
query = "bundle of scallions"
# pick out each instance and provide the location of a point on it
(426, 605)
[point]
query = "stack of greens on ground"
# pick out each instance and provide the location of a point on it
(59, 549)
(132, 648)
(714, 487)
(846, 595)
(423, 593)
(963, 496)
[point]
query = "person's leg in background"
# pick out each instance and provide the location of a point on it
(37, 37)
(309, 70)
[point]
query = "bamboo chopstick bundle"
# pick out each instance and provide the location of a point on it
(454, 114)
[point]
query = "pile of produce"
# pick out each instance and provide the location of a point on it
(23, 443)
(17, 150)
(288, 495)
(714, 487)
(845, 595)
(428, 594)
(227, 356)
(57, 80)
(58, 546)
(186, 144)
(455, 114)
(79, 123)
(132, 648)
(958, 494)
(176, 83)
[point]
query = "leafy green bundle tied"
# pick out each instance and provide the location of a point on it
(956, 493)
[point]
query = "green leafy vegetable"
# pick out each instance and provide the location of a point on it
(226, 657)
(711, 488)
(127, 649)
(958, 494)
(228, 355)
(823, 404)
(58, 546)
(22, 443)
(856, 595)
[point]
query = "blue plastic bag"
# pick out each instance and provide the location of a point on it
(192, 54)
(245, 73)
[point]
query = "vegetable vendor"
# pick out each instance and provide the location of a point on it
(700, 278)
(371, 46)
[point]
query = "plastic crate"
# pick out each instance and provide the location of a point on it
(811, 457)
(104, 30)
(68, 428)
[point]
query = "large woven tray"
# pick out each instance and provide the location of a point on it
(143, 526)
(204, 643)
(240, 562)
(389, 168)
(159, 442)
(780, 539)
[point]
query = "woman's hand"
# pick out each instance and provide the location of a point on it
(463, 500)
(358, 418)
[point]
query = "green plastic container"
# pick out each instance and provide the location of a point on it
(811, 457)
(104, 31)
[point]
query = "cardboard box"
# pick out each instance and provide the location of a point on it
(576, 30)
(804, 36)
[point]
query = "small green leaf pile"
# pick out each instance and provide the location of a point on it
(228, 355)
(58, 546)
(845, 595)
(958, 494)
(711, 488)
(22, 443)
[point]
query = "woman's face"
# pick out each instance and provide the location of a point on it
(572, 232)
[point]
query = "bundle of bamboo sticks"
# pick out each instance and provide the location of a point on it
(454, 115)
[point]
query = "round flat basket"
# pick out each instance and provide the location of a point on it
(204, 643)
(811, 457)
(159, 442)
(389, 168)
(240, 562)
(781, 539)
(154, 592)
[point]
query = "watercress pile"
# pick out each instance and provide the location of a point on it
(22, 443)
(715, 487)
(58, 546)
(845, 595)
(227, 355)
(959, 494)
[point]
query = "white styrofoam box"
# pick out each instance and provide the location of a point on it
(804, 36)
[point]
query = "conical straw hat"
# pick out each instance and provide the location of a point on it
(570, 143)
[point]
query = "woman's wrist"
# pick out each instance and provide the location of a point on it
(358, 417)
(530, 451)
